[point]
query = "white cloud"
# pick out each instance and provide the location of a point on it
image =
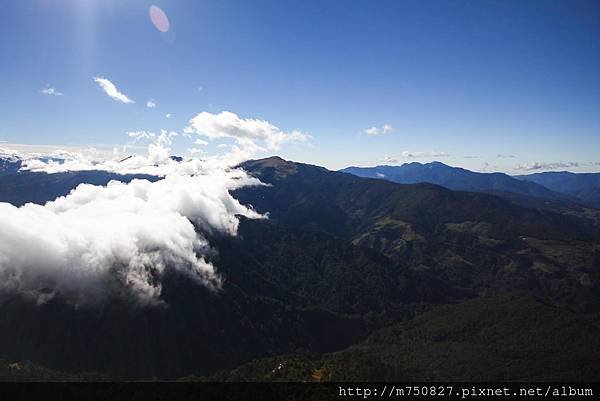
(139, 135)
(432, 153)
(167, 135)
(169, 115)
(187, 132)
(247, 133)
(127, 160)
(120, 240)
(389, 159)
(158, 149)
(387, 128)
(545, 166)
(51, 155)
(411, 155)
(151, 104)
(375, 131)
(111, 90)
(502, 156)
(50, 91)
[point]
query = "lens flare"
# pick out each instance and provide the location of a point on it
(159, 19)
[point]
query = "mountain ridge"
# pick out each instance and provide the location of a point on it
(585, 186)
(457, 178)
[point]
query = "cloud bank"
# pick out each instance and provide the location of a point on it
(121, 240)
(98, 243)
(111, 90)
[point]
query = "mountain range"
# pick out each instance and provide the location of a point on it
(349, 278)
(584, 186)
(564, 187)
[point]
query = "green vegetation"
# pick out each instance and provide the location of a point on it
(488, 339)
(28, 371)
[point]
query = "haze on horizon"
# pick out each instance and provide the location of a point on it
(489, 86)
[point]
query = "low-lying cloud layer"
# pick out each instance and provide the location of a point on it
(99, 242)
(119, 240)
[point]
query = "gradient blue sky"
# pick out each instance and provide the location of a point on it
(473, 79)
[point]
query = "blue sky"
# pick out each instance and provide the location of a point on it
(459, 81)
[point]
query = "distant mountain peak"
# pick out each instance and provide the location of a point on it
(409, 164)
(437, 163)
(457, 178)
